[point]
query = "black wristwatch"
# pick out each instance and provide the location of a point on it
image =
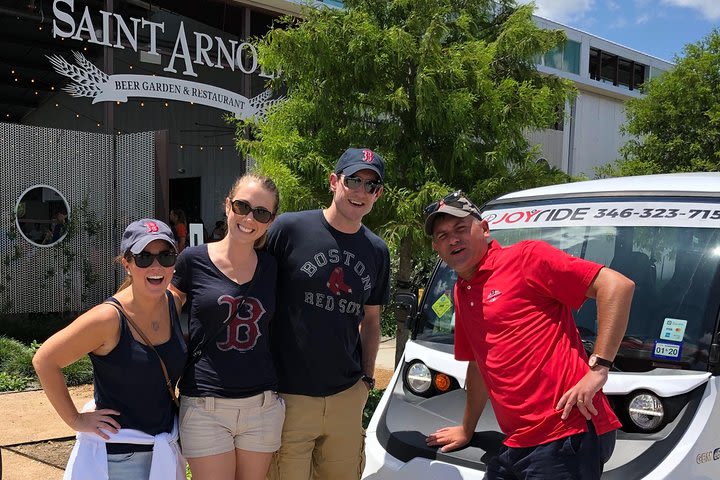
(369, 380)
(595, 360)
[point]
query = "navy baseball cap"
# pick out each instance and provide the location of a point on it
(356, 159)
(139, 233)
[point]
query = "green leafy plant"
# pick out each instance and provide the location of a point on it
(372, 402)
(17, 372)
(79, 373)
(11, 383)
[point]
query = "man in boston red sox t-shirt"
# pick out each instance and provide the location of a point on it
(333, 277)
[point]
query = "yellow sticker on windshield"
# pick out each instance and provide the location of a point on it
(442, 305)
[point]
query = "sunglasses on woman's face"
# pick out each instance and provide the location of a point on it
(262, 215)
(145, 259)
(370, 186)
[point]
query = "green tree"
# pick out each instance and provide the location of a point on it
(676, 125)
(443, 89)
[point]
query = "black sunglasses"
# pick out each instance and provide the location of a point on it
(354, 183)
(145, 259)
(262, 215)
(448, 199)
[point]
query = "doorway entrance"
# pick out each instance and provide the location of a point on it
(185, 193)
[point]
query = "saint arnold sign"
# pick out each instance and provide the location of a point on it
(89, 81)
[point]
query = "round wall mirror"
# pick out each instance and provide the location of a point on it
(41, 215)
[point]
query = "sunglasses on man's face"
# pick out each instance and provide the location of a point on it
(262, 215)
(449, 199)
(370, 186)
(145, 259)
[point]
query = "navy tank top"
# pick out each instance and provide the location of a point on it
(130, 380)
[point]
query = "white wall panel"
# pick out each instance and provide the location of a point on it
(597, 138)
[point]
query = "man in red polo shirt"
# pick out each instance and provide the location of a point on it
(514, 324)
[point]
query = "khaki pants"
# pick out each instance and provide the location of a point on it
(322, 437)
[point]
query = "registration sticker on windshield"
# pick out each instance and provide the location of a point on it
(673, 329)
(667, 350)
(442, 305)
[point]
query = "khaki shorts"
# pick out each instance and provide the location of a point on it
(210, 425)
(323, 438)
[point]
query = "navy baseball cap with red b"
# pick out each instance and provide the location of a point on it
(139, 233)
(356, 159)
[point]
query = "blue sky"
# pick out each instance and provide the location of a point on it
(660, 28)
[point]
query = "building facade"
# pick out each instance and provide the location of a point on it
(606, 76)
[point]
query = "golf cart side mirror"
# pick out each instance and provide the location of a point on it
(406, 308)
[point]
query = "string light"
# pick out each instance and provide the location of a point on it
(200, 146)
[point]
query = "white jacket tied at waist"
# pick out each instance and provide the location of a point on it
(88, 460)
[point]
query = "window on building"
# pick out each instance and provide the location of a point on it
(41, 214)
(571, 57)
(625, 72)
(622, 72)
(565, 58)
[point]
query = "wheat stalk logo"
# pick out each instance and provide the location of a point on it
(86, 78)
(262, 101)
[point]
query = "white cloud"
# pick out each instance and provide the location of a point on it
(613, 6)
(642, 19)
(709, 8)
(619, 23)
(562, 10)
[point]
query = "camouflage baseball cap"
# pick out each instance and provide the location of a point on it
(455, 204)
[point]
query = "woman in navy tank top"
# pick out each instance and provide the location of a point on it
(230, 414)
(131, 430)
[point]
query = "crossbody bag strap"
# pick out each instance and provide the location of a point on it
(197, 351)
(168, 383)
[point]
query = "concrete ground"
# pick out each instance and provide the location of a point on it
(28, 421)
(35, 443)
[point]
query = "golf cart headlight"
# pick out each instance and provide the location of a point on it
(418, 378)
(646, 411)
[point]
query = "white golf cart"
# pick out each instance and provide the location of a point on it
(662, 231)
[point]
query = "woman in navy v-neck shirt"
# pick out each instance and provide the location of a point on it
(230, 415)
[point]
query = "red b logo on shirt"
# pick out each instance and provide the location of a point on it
(243, 330)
